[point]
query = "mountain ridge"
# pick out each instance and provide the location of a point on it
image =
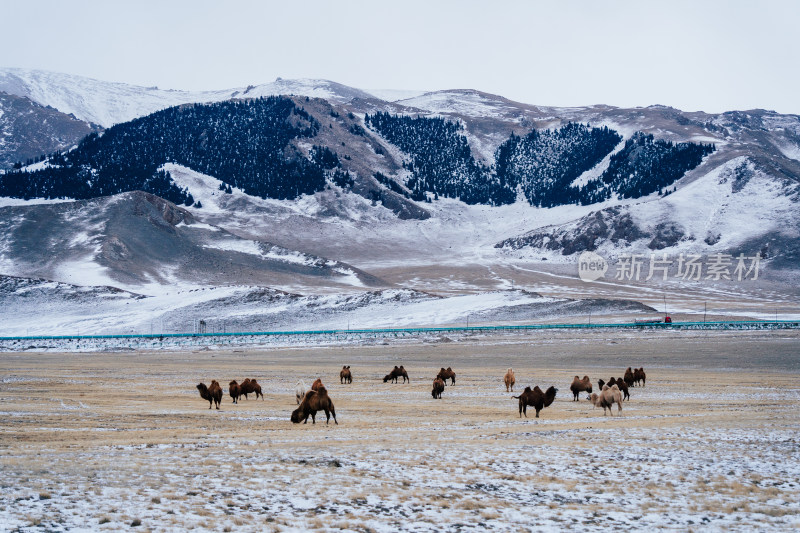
(366, 207)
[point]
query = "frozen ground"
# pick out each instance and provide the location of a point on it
(104, 441)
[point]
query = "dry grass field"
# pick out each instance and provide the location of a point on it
(113, 440)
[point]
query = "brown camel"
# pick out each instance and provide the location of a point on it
(536, 399)
(397, 372)
(314, 400)
(580, 385)
(438, 387)
(509, 379)
(212, 393)
(447, 373)
(233, 390)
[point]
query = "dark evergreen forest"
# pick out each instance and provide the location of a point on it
(441, 162)
(544, 163)
(248, 144)
(645, 165)
(243, 143)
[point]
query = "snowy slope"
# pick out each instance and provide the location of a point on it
(140, 242)
(463, 102)
(72, 309)
(28, 130)
(732, 207)
(108, 103)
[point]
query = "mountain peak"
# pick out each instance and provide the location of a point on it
(108, 103)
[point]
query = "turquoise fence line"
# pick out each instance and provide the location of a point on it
(739, 324)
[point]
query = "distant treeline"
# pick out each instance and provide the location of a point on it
(248, 144)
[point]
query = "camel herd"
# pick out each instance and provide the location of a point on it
(310, 401)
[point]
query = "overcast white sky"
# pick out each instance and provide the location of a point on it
(694, 55)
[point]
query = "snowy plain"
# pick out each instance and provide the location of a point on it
(93, 442)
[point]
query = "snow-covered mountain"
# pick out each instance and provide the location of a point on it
(365, 225)
(109, 103)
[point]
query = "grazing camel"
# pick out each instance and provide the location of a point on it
(438, 387)
(249, 386)
(314, 400)
(345, 376)
(509, 379)
(445, 374)
(396, 372)
(212, 393)
(580, 385)
(536, 399)
(607, 397)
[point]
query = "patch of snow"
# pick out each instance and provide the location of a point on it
(240, 245)
(597, 171)
(467, 103)
(792, 151)
(395, 95)
(15, 202)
